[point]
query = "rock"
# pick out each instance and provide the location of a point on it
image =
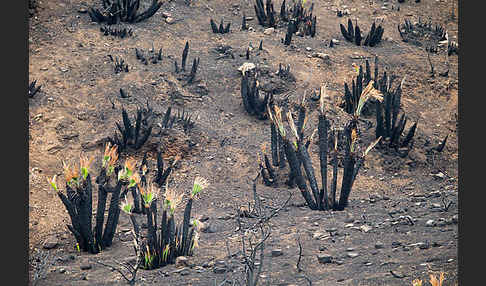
(322, 248)
(62, 270)
(455, 218)
(219, 270)
(365, 228)
(181, 261)
(319, 235)
(268, 31)
(50, 243)
(324, 258)
(184, 272)
(85, 266)
(349, 218)
(348, 225)
(352, 254)
(308, 49)
(423, 245)
(439, 175)
(166, 14)
(245, 67)
(321, 56)
(430, 222)
(379, 245)
(170, 20)
(208, 228)
(335, 41)
(397, 274)
(277, 252)
(82, 10)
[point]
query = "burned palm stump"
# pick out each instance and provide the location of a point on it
(117, 32)
(120, 65)
(300, 20)
(151, 56)
(168, 240)
(133, 136)
(115, 11)
(422, 34)
(222, 29)
(265, 13)
(295, 146)
(33, 90)
(353, 34)
(388, 125)
(250, 94)
(188, 77)
(78, 199)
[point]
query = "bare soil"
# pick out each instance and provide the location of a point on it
(73, 113)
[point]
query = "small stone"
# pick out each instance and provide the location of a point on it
(324, 258)
(423, 245)
(352, 254)
(85, 266)
(170, 20)
(82, 10)
(181, 261)
(365, 228)
(50, 243)
(348, 225)
(219, 270)
(335, 41)
(268, 31)
(455, 218)
(439, 175)
(322, 248)
(368, 263)
(43, 69)
(349, 249)
(308, 49)
(184, 272)
(166, 14)
(277, 252)
(379, 245)
(321, 56)
(430, 222)
(62, 270)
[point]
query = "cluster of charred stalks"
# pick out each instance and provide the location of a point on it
(353, 34)
(265, 13)
(184, 118)
(300, 21)
(192, 75)
(117, 32)
(295, 152)
(120, 65)
(33, 89)
(152, 56)
(160, 248)
(387, 101)
(250, 95)
(114, 180)
(115, 11)
(222, 29)
(133, 136)
(422, 31)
